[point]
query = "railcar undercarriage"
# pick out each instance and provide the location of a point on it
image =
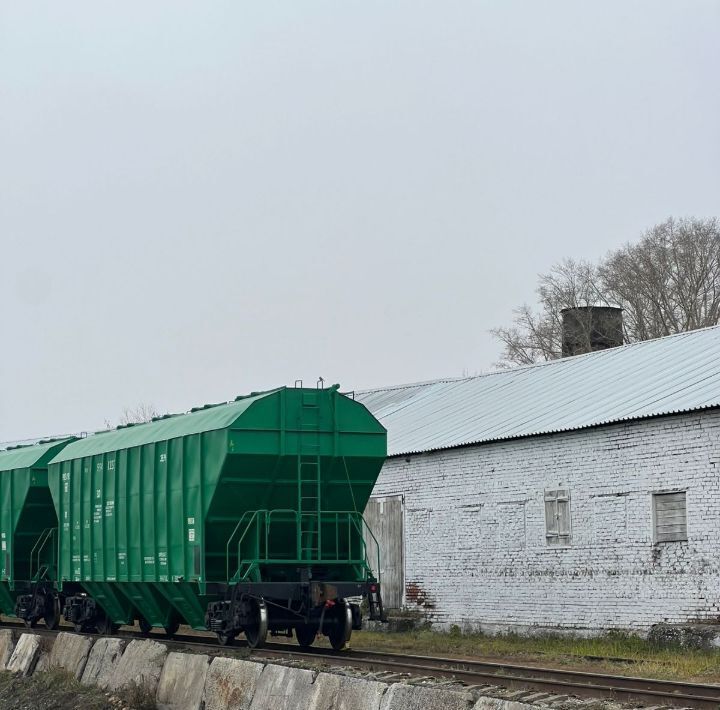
(308, 610)
(305, 610)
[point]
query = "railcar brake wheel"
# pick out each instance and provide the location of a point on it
(305, 634)
(342, 626)
(256, 633)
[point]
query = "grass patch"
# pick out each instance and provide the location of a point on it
(619, 653)
(138, 697)
(60, 690)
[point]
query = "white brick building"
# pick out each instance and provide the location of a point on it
(580, 494)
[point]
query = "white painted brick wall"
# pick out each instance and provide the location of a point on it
(475, 547)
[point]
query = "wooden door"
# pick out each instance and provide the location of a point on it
(384, 516)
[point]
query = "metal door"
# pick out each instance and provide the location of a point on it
(384, 516)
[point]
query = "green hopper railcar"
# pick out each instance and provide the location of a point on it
(244, 517)
(28, 523)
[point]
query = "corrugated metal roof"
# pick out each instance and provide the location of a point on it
(211, 418)
(678, 373)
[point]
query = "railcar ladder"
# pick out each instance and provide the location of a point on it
(309, 499)
(309, 483)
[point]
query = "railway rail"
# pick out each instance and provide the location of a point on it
(621, 688)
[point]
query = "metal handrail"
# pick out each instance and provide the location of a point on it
(39, 546)
(227, 546)
(375, 540)
(355, 521)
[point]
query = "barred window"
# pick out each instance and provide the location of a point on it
(557, 518)
(670, 516)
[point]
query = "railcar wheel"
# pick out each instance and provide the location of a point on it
(342, 627)
(79, 628)
(105, 626)
(305, 634)
(256, 633)
(225, 639)
(145, 626)
(30, 623)
(172, 628)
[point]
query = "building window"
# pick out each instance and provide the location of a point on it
(557, 518)
(670, 516)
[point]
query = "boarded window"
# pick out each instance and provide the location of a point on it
(670, 516)
(557, 517)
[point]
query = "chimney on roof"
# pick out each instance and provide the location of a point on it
(587, 329)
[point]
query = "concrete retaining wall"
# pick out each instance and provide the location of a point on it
(104, 657)
(70, 651)
(187, 681)
(25, 656)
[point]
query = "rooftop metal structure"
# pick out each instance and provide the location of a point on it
(29, 456)
(677, 373)
(211, 417)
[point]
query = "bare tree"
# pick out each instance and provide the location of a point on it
(536, 335)
(666, 283)
(138, 414)
(669, 282)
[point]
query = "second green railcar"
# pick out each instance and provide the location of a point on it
(28, 525)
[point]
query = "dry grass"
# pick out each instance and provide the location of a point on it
(60, 690)
(48, 691)
(613, 653)
(138, 697)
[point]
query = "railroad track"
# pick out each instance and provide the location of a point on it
(627, 689)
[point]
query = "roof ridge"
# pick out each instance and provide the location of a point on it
(408, 385)
(545, 363)
(668, 375)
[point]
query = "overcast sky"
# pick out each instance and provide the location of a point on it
(199, 199)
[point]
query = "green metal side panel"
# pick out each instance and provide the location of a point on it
(117, 605)
(14, 487)
(7, 600)
(158, 603)
(26, 510)
(136, 515)
(186, 602)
